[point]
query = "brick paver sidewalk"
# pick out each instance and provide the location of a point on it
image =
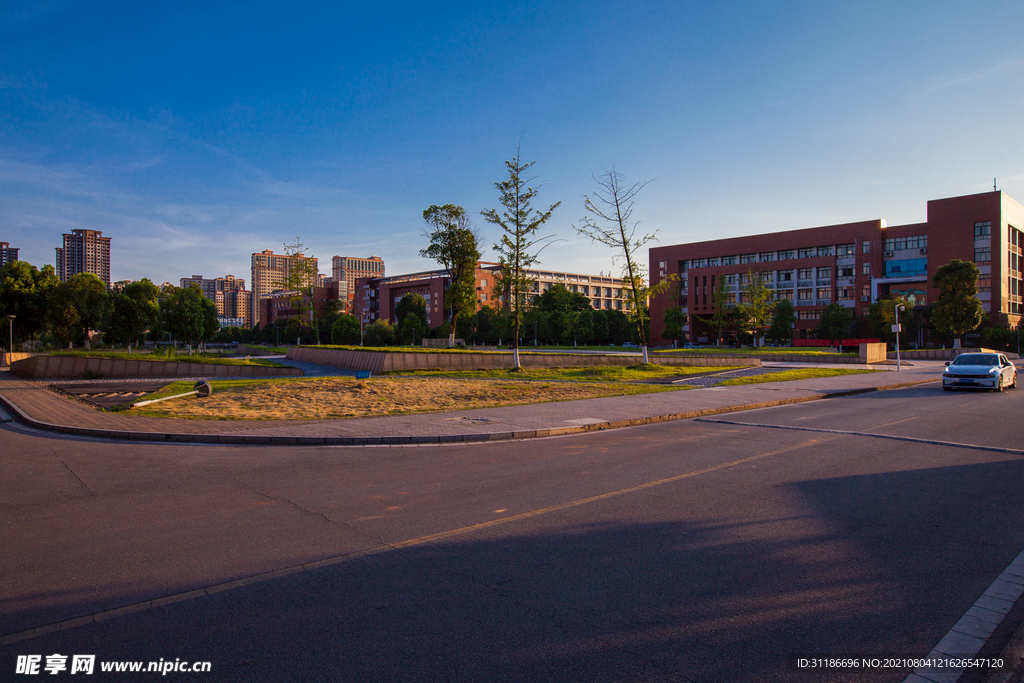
(40, 407)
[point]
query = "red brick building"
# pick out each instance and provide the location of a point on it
(853, 264)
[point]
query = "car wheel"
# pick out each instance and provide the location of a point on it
(1014, 385)
(999, 384)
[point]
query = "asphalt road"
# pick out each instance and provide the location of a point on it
(683, 551)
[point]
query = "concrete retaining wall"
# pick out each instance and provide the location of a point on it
(79, 367)
(8, 358)
(380, 361)
(943, 354)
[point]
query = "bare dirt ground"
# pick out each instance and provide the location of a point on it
(346, 397)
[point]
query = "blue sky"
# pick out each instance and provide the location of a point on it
(196, 134)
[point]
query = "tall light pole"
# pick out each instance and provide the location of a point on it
(10, 338)
(896, 328)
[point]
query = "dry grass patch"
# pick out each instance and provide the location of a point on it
(340, 397)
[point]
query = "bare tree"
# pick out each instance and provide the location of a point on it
(301, 277)
(520, 246)
(609, 221)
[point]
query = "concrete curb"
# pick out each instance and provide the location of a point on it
(257, 440)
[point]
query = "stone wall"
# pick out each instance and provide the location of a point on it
(382, 361)
(81, 367)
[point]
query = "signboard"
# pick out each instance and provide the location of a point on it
(897, 328)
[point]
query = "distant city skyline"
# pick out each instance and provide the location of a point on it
(196, 135)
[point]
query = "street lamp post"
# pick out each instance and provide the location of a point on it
(535, 333)
(896, 327)
(10, 339)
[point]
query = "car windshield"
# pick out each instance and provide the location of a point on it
(976, 359)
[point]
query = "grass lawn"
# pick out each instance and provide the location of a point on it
(789, 375)
(340, 397)
(209, 358)
(603, 373)
(762, 351)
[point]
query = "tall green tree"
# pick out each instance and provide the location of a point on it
(722, 313)
(133, 311)
(77, 306)
(520, 244)
(608, 220)
(758, 299)
(783, 319)
(836, 322)
(345, 330)
(24, 293)
(675, 319)
(559, 298)
(189, 315)
(882, 316)
(411, 312)
(455, 245)
(379, 333)
(958, 309)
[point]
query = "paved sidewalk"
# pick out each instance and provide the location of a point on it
(36, 406)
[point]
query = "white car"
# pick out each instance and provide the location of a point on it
(980, 371)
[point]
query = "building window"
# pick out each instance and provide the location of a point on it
(906, 267)
(805, 273)
(901, 243)
(700, 263)
(807, 253)
(729, 279)
(865, 268)
(824, 251)
(825, 272)
(982, 230)
(785, 276)
(824, 294)
(786, 254)
(809, 315)
(712, 262)
(728, 260)
(865, 290)
(786, 294)
(844, 272)
(766, 256)
(748, 258)
(844, 292)
(684, 266)
(805, 295)
(983, 255)
(845, 250)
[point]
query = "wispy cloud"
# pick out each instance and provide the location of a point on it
(1001, 69)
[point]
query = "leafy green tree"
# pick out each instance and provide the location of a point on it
(783, 319)
(722, 314)
(77, 306)
(189, 315)
(559, 298)
(958, 309)
(455, 245)
(882, 316)
(757, 303)
(411, 312)
(379, 333)
(675, 319)
(618, 326)
(609, 221)
(345, 330)
(24, 293)
(520, 245)
(836, 322)
(133, 311)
